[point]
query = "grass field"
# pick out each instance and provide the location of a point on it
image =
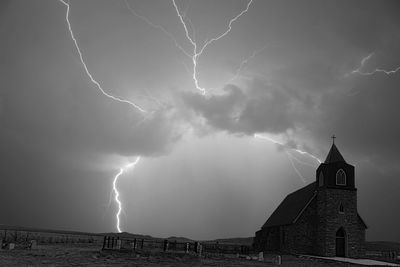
(92, 255)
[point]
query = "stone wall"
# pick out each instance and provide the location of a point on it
(267, 239)
(330, 220)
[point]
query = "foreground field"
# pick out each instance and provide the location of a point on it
(91, 255)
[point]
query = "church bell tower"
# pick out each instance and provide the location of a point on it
(335, 172)
(340, 230)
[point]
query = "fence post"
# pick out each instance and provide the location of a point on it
(104, 242)
(119, 243)
(134, 244)
(165, 245)
(141, 245)
(187, 248)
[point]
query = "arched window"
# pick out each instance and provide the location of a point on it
(341, 208)
(340, 177)
(321, 179)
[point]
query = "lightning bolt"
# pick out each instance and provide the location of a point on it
(284, 146)
(198, 51)
(156, 26)
(245, 62)
(300, 161)
(192, 40)
(116, 193)
(137, 107)
(295, 168)
(364, 60)
(290, 157)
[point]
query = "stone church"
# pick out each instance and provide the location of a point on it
(320, 218)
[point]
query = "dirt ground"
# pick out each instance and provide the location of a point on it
(91, 255)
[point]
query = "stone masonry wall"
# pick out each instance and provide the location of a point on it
(267, 239)
(330, 220)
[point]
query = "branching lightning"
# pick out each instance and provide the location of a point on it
(284, 146)
(295, 168)
(290, 157)
(300, 161)
(198, 51)
(244, 63)
(363, 62)
(156, 26)
(192, 40)
(116, 193)
(137, 107)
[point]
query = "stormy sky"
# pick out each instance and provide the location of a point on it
(295, 72)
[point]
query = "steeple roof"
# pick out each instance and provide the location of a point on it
(334, 155)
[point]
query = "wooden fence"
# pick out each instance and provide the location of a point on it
(117, 243)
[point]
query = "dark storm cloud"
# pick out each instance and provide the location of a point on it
(260, 108)
(363, 117)
(77, 119)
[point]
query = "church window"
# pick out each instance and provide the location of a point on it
(340, 177)
(341, 208)
(321, 179)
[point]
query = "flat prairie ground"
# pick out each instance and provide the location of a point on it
(92, 255)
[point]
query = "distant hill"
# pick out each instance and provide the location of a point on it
(179, 239)
(41, 230)
(382, 246)
(248, 241)
(131, 236)
(236, 240)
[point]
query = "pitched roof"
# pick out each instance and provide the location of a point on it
(291, 207)
(334, 155)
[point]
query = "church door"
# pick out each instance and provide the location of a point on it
(341, 243)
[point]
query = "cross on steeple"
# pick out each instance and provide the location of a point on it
(333, 138)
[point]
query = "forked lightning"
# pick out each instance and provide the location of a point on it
(198, 51)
